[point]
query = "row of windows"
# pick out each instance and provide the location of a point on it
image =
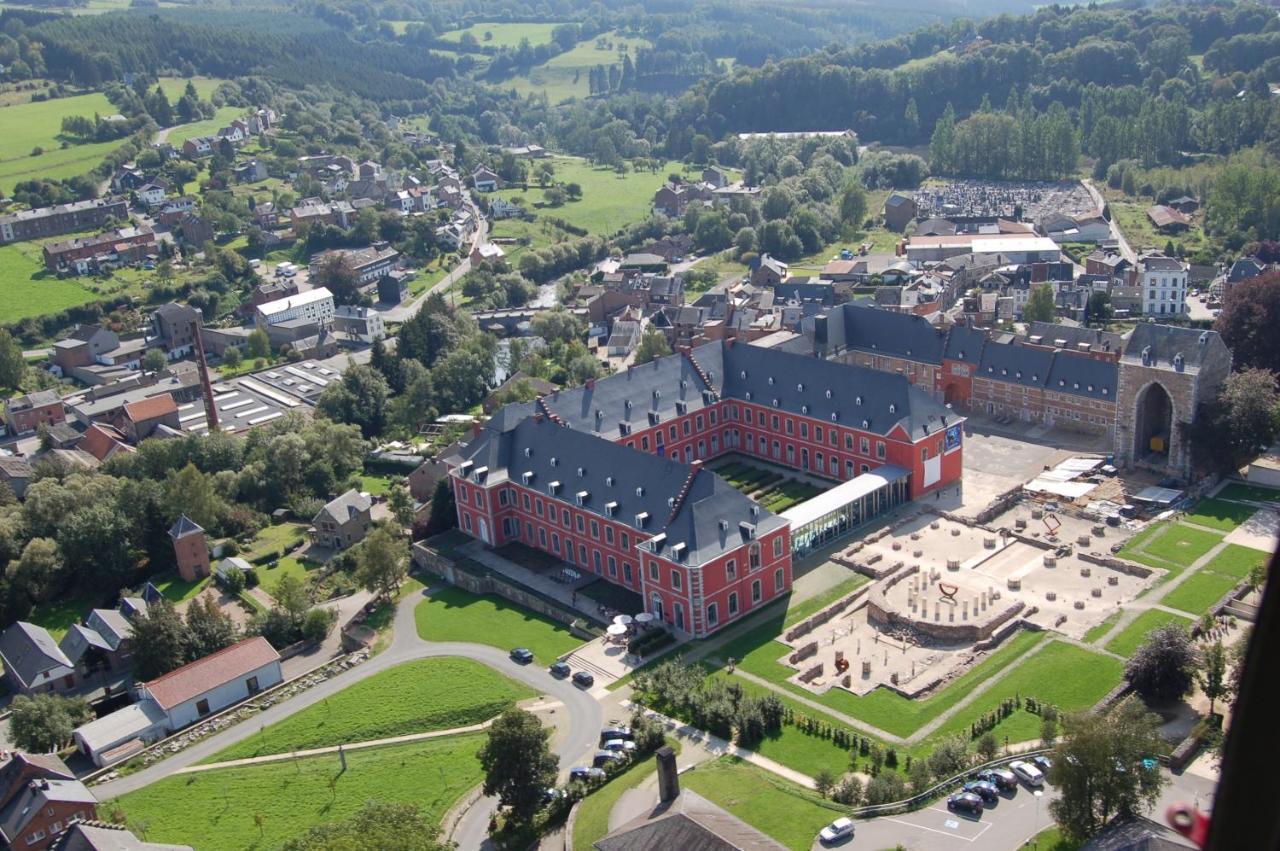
(713, 609)
(576, 520)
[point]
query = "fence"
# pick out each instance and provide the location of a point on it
(937, 789)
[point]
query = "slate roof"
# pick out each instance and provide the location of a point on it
(21, 767)
(111, 625)
(33, 798)
(100, 836)
(198, 677)
(635, 482)
(78, 640)
(29, 650)
(805, 291)
(13, 467)
(1164, 342)
(345, 506)
(33, 400)
(886, 332)
(689, 823)
(1083, 376)
(184, 526)
(1073, 336)
(964, 343)
(1020, 365)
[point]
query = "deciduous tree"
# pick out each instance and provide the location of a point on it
(382, 562)
(518, 764)
(1164, 667)
(44, 723)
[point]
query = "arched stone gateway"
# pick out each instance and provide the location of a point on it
(1153, 424)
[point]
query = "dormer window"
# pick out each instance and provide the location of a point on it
(866, 424)
(610, 508)
(804, 409)
(775, 403)
(528, 452)
(581, 472)
(893, 409)
(748, 395)
(835, 415)
(677, 550)
(857, 400)
(527, 477)
(608, 480)
(960, 354)
(671, 502)
(641, 519)
(1062, 383)
(771, 381)
(1018, 374)
(744, 375)
(554, 462)
(553, 488)
(1105, 391)
(627, 404)
(828, 394)
(800, 387)
(582, 497)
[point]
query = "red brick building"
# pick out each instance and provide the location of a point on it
(24, 414)
(609, 476)
(84, 254)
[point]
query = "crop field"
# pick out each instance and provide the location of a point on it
(26, 289)
(262, 806)
(416, 697)
(565, 76)
(504, 35)
(609, 201)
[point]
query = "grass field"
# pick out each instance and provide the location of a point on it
(416, 697)
(539, 233)
(1101, 629)
(565, 76)
(57, 616)
(609, 201)
(178, 590)
(377, 484)
(1182, 545)
(1219, 514)
(272, 539)
(1131, 637)
(789, 813)
(1254, 493)
(222, 808)
(774, 490)
(1197, 593)
(505, 35)
(26, 289)
(207, 127)
(592, 821)
(452, 614)
(1131, 215)
(270, 575)
(797, 612)
(723, 266)
(175, 86)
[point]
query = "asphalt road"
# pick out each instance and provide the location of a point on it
(1126, 251)
(402, 312)
(581, 716)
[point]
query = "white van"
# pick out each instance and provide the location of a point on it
(1027, 773)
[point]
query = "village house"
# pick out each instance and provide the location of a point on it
(173, 329)
(24, 414)
(343, 521)
(768, 272)
(252, 171)
(199, 146)
(152, 193)
(33, 663)
(899, 211)
(40, 798)
(80, 256)
(17, 473)
(501, 208)
(486, 253)
(368, 263)
(486, 180)
(140, 419)
(315, 305)
(1167, 219)
(357, 323)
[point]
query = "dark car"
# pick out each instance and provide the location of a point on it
(966, 801)
(1042, 763)
(620, 732)
(984, 790)
(560, 669)
(584, 679)
(603, 758)
(1001, 778)
(582, 774)
(523, 655)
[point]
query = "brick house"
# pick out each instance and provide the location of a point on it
(39, 799)
(24, 414)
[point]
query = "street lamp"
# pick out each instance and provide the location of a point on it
(1039, 793)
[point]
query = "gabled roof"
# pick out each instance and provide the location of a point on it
(1021, 365)
(964, 344)
(101, 836)
(29, 651)
(885, 332)
(78, 640)
(1083, 376)
(203, 675)
(689, 823)
(1163, 343)
(151, 409)
(111, 625)
(342, 508)
(102, 440)
(23, 767)
(34, 798)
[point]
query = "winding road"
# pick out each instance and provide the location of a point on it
(579, 722)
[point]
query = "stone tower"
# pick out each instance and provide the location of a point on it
(190, 548)
(1166, 373)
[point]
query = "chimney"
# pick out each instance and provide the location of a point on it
(668, 777)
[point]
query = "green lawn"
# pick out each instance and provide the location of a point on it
(175, 86)
(1131, 637)
(723, 266)
(1182, 545)
(1199, 592)
(205, 127)
(789, 813)
(271, 539)
(1051, 839)
(452, 614)
(222, 808)
(505, 35)
(1219, 514)
(565, 76)
(609, 201)
(1131, 215)
(540, 233)
(1101, 629)
(592, 821)
(798, 611)
(1236, 561)
(26, 289)
(58, 616)
(1254, 493)
(1064, 675)
(178, 590)
(377, 484)
(270, 575)
(416, 697)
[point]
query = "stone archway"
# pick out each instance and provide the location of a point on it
(1153, 419)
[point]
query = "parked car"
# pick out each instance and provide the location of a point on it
(523, 655)
(552, 794)
(1027, 773)
(837, 830)
(584, 679)
(984, 790)
(560, 669)
(586, 775)
(603, 758)
(619, 745)
(1042, 763)
(1001, 778)
(619, 732)
(967, 801)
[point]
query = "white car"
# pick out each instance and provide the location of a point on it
(619, 745)
(1027, 773)
(837, 830)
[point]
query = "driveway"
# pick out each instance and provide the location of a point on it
(1126, 251)
(580, 719)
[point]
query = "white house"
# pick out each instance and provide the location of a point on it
(151, 194)
(486, 180)
(213, 683)
(501, 208)
(359, 323)
(316, 305)
(1162, 283)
